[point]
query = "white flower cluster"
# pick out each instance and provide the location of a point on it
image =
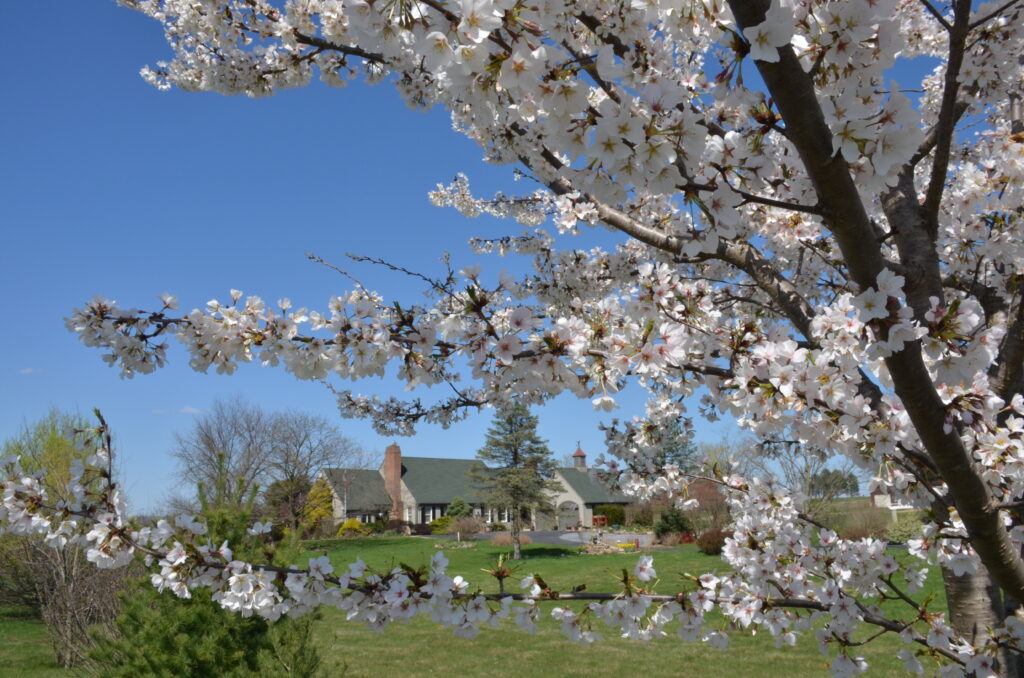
(843, 273)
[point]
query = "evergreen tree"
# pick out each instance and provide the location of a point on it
(158, 635)
(459, 508)
(676, 447)
(516, 467)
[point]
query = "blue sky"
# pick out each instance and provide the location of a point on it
(110, 187)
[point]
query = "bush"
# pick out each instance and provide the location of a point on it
(420, 529)
(862, 522)
(466, 525)
(459, 508)
(158, 634)
(440, 525)
(903, 530)
(68, 593)
(318, 511)
(506, 540)
(398, 527)
(615, 514)
(353, 528)
(498, 527)
(672, 521)
(677, 539)
(712, 541)
(640, 514)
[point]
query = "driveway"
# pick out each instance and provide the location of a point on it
(584, 536)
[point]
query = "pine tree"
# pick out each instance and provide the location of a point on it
(516, 467)
(458, 508)
(158, 635)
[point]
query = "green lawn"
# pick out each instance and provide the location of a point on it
(423, 648)
(25, 648)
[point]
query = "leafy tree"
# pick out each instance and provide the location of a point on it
(285, 501)
(67, 592)
(810, 250)
(516, 467)
(458, 508)
(318, 510)
(834, 483)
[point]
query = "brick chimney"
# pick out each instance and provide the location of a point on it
(579, 458)
(392, 472)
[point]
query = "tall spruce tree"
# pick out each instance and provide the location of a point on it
(516, 467)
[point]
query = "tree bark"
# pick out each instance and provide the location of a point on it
(515, 528)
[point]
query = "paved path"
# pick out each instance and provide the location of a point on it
(584, 536)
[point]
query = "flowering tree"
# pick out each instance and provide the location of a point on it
(832, 261)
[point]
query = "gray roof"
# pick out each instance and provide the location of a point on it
(438, 481)
(432, 480)
(365, 489)
(590, 490)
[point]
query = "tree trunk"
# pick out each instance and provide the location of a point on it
(516, 527)
(975, 605)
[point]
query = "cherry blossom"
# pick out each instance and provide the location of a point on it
(828, 253)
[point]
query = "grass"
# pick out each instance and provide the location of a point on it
(24, 646)
(422, 648)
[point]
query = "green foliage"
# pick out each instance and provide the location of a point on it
(616, 514)
(676, 447)
(440, 525)
(459, 508)
(672, 521)
(516, 468)
(158, 635)
(318, 511)
(42, 446)
(903, 530)
(47, 446)
(58, 586)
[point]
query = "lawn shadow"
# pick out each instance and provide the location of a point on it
(547, 552)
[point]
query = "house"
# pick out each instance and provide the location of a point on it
(419, 489)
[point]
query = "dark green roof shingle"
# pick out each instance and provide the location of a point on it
(365, 488)
(438, 481)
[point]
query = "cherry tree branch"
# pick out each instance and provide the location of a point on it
(797, 101)
(946, 124)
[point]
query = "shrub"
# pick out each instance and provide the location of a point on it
(317, 511)
(466, 525)
(440, 525)
(398, 526)
(903, 530)
(459, 508)
(640, 514)
(353, 528)
(672, 520)
(677, 538)
(506, 539)
(420, 529)
(712, 511)
(712, 541)
(864, 521)
(498, 527)
(615, 514)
